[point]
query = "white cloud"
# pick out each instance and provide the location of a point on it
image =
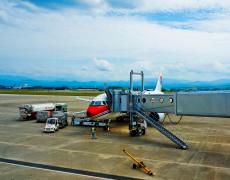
(131, 6)
(157, 5)
(172, 5)
(124, 42)
(102, 65)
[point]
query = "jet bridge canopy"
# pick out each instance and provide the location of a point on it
(201, 103)
(206, 103)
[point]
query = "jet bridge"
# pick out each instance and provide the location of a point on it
(136, 103)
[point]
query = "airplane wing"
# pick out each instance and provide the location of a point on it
(83, 99)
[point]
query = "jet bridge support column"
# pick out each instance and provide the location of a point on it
(135, 127)
(142, 79)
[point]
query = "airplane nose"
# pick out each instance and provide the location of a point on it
(90, 111)
(95, 110)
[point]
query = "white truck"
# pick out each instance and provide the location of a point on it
(40, 111)
(29, 111)
(52, 125)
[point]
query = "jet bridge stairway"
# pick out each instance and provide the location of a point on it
(160, 128)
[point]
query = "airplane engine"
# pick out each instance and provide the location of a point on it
(159, 116)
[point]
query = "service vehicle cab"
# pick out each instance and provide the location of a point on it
(51, 125)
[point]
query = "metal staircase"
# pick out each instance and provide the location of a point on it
(161, 129)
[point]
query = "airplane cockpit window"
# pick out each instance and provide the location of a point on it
(98, 103)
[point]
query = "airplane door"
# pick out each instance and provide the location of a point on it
(124, 103)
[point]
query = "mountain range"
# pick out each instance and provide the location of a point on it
(16, 81)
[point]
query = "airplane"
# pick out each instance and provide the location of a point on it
(99, 109)
(158, 90)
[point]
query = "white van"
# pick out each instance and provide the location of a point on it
(51, 125)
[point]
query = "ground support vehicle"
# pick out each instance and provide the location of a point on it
(80, 119)
(58, 107)
(62, 118)
(40, 111)
(52, 125)
(42, 116)
(138, 164)
(29, 111)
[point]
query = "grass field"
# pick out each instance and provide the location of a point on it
(53, 92)
(56, 92)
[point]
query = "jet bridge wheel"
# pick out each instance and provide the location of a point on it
(143, 131)
(137, 132)
(133, 132)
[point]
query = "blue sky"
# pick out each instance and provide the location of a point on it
(104, 39)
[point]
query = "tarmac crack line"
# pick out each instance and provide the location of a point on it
(64, 170)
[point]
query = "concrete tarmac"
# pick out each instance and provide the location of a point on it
(208, 156)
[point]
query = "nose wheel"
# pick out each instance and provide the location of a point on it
(107, 126)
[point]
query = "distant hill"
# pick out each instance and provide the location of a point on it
(168, 84)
